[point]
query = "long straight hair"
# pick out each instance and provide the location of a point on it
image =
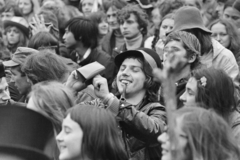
(209, 136)
(101, 135)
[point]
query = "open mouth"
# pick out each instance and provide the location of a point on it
(125, 82)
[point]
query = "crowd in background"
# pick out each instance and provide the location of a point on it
(119, 79)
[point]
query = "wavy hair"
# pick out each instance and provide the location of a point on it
(53, 98)
(233, 34)
(209, 136)
(141, 16)
(151, 86)
(101, 135)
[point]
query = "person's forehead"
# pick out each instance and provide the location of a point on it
(132, 62)
(232, 12)
(192, 83)
(112, 10)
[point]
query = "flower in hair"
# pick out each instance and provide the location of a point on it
(203, 81)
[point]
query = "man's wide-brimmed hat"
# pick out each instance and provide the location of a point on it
(189, 18)
(24, 132)
(19, 22)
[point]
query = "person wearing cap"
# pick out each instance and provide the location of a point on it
(133, 25)
(212, 52)
(17, 32)
(18, 76)
(141, 117)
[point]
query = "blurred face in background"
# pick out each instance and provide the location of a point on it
(25, 6)
(233, 15)
(156, 17)
(166, 27)
(219, 32)
(103, 27)
(7, 15)
(112, 18)
(87, 6)
(13, 35)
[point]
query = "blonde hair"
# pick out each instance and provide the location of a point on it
(53, 98)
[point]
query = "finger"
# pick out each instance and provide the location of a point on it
(37, 19)
(42, 19)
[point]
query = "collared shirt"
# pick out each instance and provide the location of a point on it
(86, 54)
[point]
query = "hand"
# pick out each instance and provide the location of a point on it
(38, 25)
(76, 81)
(159, 48)
(172, 68)
(100, 87)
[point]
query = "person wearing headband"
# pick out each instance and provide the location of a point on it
(141, 117)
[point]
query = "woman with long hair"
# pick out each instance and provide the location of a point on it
(226, 33)
(165, 26)
(28, 8)
(16, 31)
(198, 134)
(90, 133)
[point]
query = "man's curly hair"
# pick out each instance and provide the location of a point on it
(140, 14)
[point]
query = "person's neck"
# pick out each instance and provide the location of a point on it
(185, 72)
(134, 43)
(135, 99)
(81, 50)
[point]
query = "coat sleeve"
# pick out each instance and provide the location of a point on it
(146, 126)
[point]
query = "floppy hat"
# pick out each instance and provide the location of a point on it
(145, 4)
(149, 56)
(20, 56)
(24, 132)
(189, 18)
(19, 22)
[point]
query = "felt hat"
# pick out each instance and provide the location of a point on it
(24, 132)
(236, 5)
(19, 22)
(20, 56)
(148, 55)
(189, 18)
(145, 4)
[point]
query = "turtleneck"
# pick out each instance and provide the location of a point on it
(134, 43)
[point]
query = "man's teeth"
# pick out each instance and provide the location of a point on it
(125, 81)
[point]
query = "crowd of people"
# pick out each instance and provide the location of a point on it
(119, 79)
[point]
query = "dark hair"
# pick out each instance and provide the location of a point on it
(141, 16)
(151, 86)
(204, 38)
(157, 30)
(84, 30)
(44, 66)
(43, 40)
(101, 135)
(209, 137)
(190, 43)
(99, 5)
(117, 4)
(218, 93)
(233, 34)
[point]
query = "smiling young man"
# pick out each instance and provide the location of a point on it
(19, 77)
(141, 117)
(133, 25)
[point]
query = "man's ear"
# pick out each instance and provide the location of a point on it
(192, 58)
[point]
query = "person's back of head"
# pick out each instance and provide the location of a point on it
(43, 40)
(209, 136)
(45, 66)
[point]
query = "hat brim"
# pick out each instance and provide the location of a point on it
(191, 27)
(10, 63)
(24, 29)
(23, 152)
(122, 56)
